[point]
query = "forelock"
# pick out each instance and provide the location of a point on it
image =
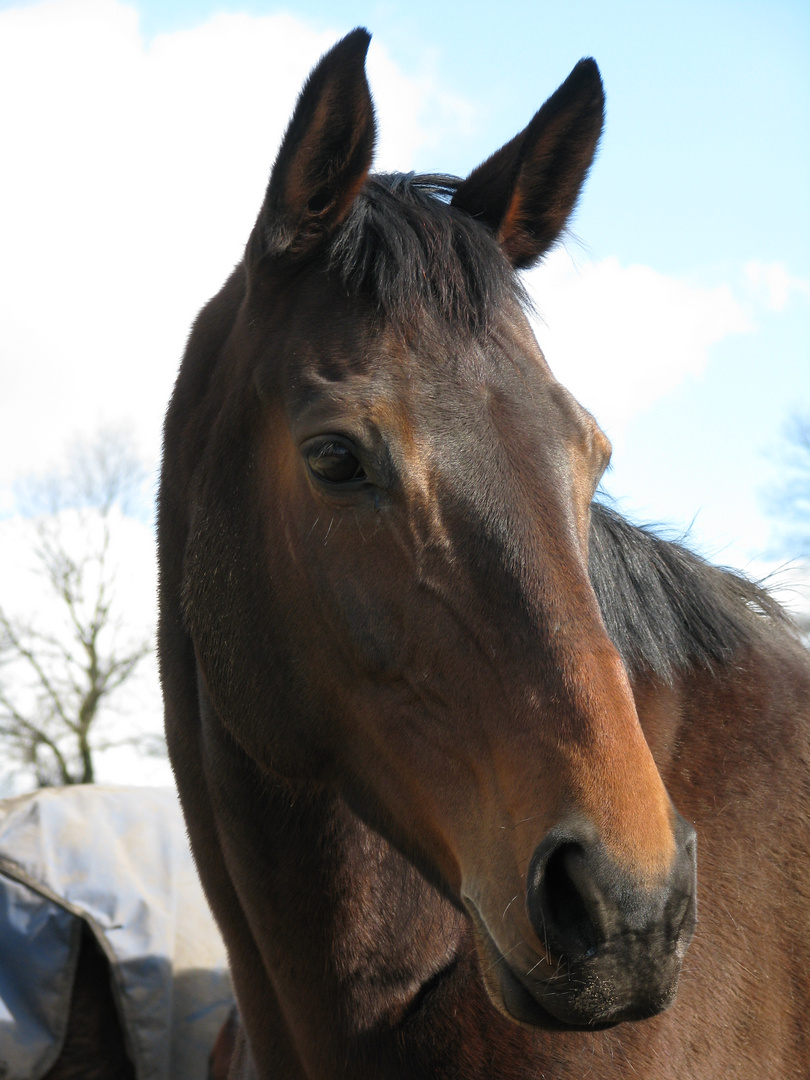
(411, 253)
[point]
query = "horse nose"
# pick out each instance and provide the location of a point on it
(583, 904)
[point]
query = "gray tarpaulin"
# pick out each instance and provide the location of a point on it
(117, 858)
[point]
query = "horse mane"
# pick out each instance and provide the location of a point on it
(666, 608)
(408, 250)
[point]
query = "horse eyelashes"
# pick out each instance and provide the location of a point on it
(334, 463)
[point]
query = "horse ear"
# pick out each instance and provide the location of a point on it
(324, 157)
(526, 192)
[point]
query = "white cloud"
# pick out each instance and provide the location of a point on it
(622, 337)
(771, 286)
(132, 176)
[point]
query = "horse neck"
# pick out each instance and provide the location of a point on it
(345, 926)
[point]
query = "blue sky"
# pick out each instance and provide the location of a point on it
(702, 177)
(137, 142)
(707, 153)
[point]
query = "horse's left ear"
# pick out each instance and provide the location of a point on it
(324, 157)
(526, 192)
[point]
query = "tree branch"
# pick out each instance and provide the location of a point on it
(55, 686)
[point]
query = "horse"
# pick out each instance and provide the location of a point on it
(448, 734)
(111, 967)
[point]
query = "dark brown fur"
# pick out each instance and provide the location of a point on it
(94, 1046)
(391, 706)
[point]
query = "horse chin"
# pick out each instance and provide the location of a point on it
(551, 1009)
(521, 1005)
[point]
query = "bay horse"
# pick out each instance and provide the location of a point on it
(430, 708)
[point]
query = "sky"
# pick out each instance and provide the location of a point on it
(138, 138)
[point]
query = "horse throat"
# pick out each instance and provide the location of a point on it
(345, 926)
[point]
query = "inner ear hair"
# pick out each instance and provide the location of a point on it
(324, 158)
(526, 192)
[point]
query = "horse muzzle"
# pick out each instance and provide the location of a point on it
(611, 948)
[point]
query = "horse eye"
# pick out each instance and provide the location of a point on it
(335, 463)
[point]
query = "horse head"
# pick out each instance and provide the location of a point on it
(386, 575)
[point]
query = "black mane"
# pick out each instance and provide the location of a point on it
(408, 250)
(666, 608)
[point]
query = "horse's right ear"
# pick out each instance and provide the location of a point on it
(324, 157)
(525, 192)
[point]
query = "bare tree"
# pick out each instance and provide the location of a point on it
(60, 672)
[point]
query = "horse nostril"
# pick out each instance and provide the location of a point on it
(564, 903)
(581, 903)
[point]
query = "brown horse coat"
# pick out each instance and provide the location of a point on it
(431, 714)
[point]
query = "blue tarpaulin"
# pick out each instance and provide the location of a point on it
(118, 860)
